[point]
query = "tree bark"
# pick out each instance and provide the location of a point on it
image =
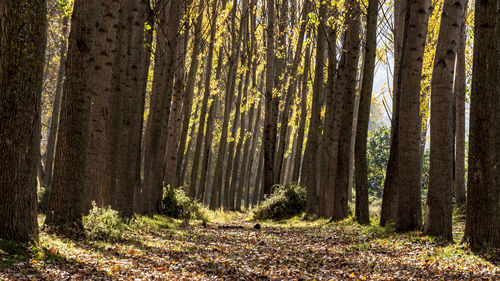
(365, 98)
(56, 106)
(440, 194)
(346, 88)
(391, 185)
(460, 93)
(66, 195)
(105, 52)
(22, 26)
(410, 126)
(482, 224)
(313, 138)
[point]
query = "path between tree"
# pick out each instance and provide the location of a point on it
(225, 251)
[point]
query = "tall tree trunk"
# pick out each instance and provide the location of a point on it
(460, 92)
(313, 138)
(482, 224)
(207, 142)
(440, 194)
(189, 92)
(271, 113)
(391, 185)
(346, 87)
(56, 106)
(330, 137)
(157, 127)
(115, 105)
(365, 98)
(127, 180)
(66, 194)
(303, 116)
(410, 126)
(105, 52)
(23, 25)
(258, 193)
(292, 88)
(215, 197)
(203, 112)
(175, 123)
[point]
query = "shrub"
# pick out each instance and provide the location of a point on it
(178, 205)
(285, 202)
(43, 198)
(104, 224)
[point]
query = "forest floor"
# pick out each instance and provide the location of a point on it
(231, 249)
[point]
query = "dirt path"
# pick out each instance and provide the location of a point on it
(236, 251)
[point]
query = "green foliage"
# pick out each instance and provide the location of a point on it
(425, 172)
(178, 205)
(377, 156)
(104, 224)
(285, 202)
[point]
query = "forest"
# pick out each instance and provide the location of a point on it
(249, 140)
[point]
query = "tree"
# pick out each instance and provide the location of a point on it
(362, 212)
(482, 224)
(439, 198)
(66, 195)
(459, 93)
(23, 26)
(346, 88)
(313, 137)
(99, 100)
(409, 208)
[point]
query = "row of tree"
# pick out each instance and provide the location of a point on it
(230, 98)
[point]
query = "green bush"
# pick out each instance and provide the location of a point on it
(43, 198)
(178, 205)
(285, 202)
(104, 224)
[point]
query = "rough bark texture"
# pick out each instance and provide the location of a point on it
(410, 127)
(131, 129)
(346, 87)
(105, 53)
(362, 212)
(440, 195)
(460, 92)
(313, 138)
(22, 27)
(482, 224)
(157, 127)
(391, 185)
(270, 126)
(66, 194)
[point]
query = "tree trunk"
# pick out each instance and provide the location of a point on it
(66, 195)
(127, 180)
(482, 225)
(440, 195)
(303, 116)
(290, 93)
(157, 128)
(105, 52)
(246, 167)
(23, 26)
(410, 126)
(365, 98)
(313, 138)
(189, 93)
(346, 88)
(460, 92)
(391, 185)
(206, 152)
(56, 107)
(215, 197)
(271, 113)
